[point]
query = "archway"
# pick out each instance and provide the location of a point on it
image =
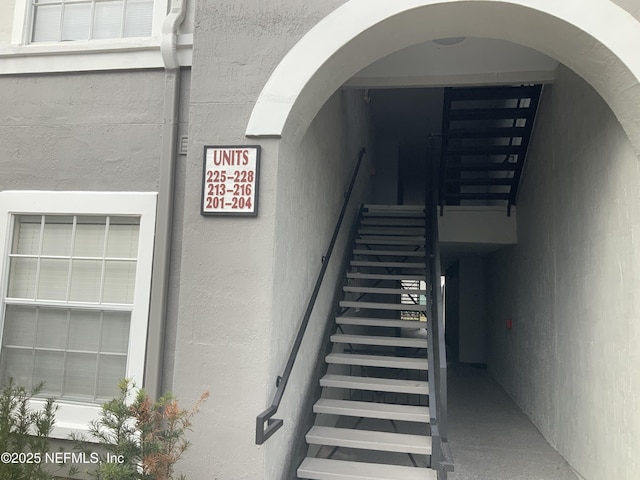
(362, 31)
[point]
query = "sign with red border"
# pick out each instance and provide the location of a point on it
(230, 180)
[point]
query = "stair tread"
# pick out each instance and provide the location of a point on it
(379, 340)
(329, 469)
(375, 384)
(484, 166)
(377, 361)
(365, 263)
(389, 253)
(487, 132)
(391, 230)
(377, 240)
(369, 440)
(383, 276)
(394, 208)
(380, 322)
(399, 238)
(384, 291)
(386, 214)
(383, 306)
(386, 411)
(492, 93)
(470, 150)
(496, 113)
(392, 222)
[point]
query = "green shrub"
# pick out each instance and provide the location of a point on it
(142, 440)
(24, 434)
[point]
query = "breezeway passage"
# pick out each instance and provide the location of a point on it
(546, 297)
(491, 438)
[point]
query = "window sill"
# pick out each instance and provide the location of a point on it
(70, 417)
(81, 56)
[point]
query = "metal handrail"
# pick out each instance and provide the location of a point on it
(441, 459)
(273, 424)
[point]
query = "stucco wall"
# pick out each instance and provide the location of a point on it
(571, 286)
(223, 338)
(312, 181)
(97, 131)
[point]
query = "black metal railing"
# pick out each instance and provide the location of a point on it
(266, 417)
(441, 459)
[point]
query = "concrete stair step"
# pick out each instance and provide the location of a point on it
(380, 322)
(329, 469)
(383, 306)
(375, 384)
(379, 340)
(385, 411)
(369, 440)
(377, 361)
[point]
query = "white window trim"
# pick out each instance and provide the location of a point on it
(75, 416)
(21, 56)
(23, 19)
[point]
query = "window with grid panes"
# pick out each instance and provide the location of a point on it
(68, 305)
(66, 20)
(75, 295)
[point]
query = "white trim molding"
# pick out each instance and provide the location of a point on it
(598, 40)
(22, 57)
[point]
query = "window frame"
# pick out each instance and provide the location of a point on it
(74, 416)
(20, 56)
(23, 25)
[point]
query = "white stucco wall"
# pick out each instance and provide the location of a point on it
(571, 286)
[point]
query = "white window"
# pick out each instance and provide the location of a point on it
(76, 274)
(64, 20)
(90, 35)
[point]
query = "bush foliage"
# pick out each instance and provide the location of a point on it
(139, 440)
(24, 433)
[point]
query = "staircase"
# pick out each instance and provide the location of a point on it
(373, 420)
(485, 137)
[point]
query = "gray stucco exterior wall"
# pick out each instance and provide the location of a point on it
(571, 285)
(227, 269)
(97, 131)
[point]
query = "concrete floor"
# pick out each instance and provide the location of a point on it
(491, 438)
